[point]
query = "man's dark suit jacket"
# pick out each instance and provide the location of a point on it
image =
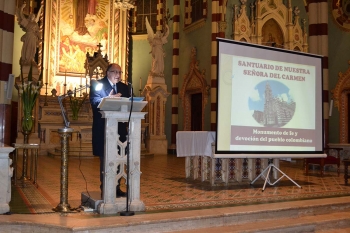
(98, 123)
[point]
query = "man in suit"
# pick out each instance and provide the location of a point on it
(111, 87)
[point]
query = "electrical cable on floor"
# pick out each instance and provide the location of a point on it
(10, 213)
(86, 187)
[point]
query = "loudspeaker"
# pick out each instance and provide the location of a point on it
(10, 83)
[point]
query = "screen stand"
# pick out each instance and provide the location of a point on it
(267, 178)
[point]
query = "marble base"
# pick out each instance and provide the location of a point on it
(6, 172)
(172, 149)
(94, 202)
(157, 146)
(4, 208)
(136, 205)
(146, 155)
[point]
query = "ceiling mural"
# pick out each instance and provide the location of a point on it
(341, 13)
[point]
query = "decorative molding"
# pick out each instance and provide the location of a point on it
(340, 14)
(340, 97)
(343, 83)
(271, 23)
(194, 82)
(194, 26)
(124, 4)
(139, 37)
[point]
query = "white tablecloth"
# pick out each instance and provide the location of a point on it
(192, 143)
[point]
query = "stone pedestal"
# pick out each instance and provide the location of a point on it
(6, 173)
(157, 144)
(156, 94)
(144, 151)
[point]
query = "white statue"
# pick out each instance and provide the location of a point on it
(156, 41)
(31, 37)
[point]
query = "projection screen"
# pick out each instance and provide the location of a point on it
(269, 102)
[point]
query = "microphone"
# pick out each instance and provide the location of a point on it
(132, 92)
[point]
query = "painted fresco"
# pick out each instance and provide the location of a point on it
(83, 25)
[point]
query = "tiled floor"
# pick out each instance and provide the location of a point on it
(165, 188)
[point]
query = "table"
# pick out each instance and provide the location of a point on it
(198, 148)
(193, 143)
(33, 148)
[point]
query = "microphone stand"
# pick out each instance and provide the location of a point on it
(128, 212)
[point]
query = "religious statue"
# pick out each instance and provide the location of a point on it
(156, 41)
(31, 36)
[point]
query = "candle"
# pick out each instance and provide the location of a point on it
(47, 75)
(140, 83)
(65, 77)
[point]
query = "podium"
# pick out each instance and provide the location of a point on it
(117, 110)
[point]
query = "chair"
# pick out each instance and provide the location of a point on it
(333, 158)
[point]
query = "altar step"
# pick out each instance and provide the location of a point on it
(317, 215)
(145, 153)
(74, 151)
(321, 215)
(325, 223)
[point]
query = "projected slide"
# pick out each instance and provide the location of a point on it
(269, 100)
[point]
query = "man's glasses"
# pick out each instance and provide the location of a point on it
(116, 71)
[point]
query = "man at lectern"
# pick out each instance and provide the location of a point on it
(110, 86)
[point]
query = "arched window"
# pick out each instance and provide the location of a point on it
(145, 8)
(197, 10)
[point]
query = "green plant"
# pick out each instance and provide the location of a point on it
(75, 104)
(29, 89)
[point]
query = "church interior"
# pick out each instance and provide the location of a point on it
(52, 53)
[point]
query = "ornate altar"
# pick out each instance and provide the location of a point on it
(68, 40)
(271, 23)
(50, 120)
(50, 115)
(68, 46)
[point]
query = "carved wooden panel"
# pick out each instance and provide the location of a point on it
(270, 23)
(340, 97)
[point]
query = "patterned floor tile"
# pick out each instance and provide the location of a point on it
(165, 187)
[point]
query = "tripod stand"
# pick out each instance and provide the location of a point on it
(267, 178)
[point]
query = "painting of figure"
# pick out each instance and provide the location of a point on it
(83, 25)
